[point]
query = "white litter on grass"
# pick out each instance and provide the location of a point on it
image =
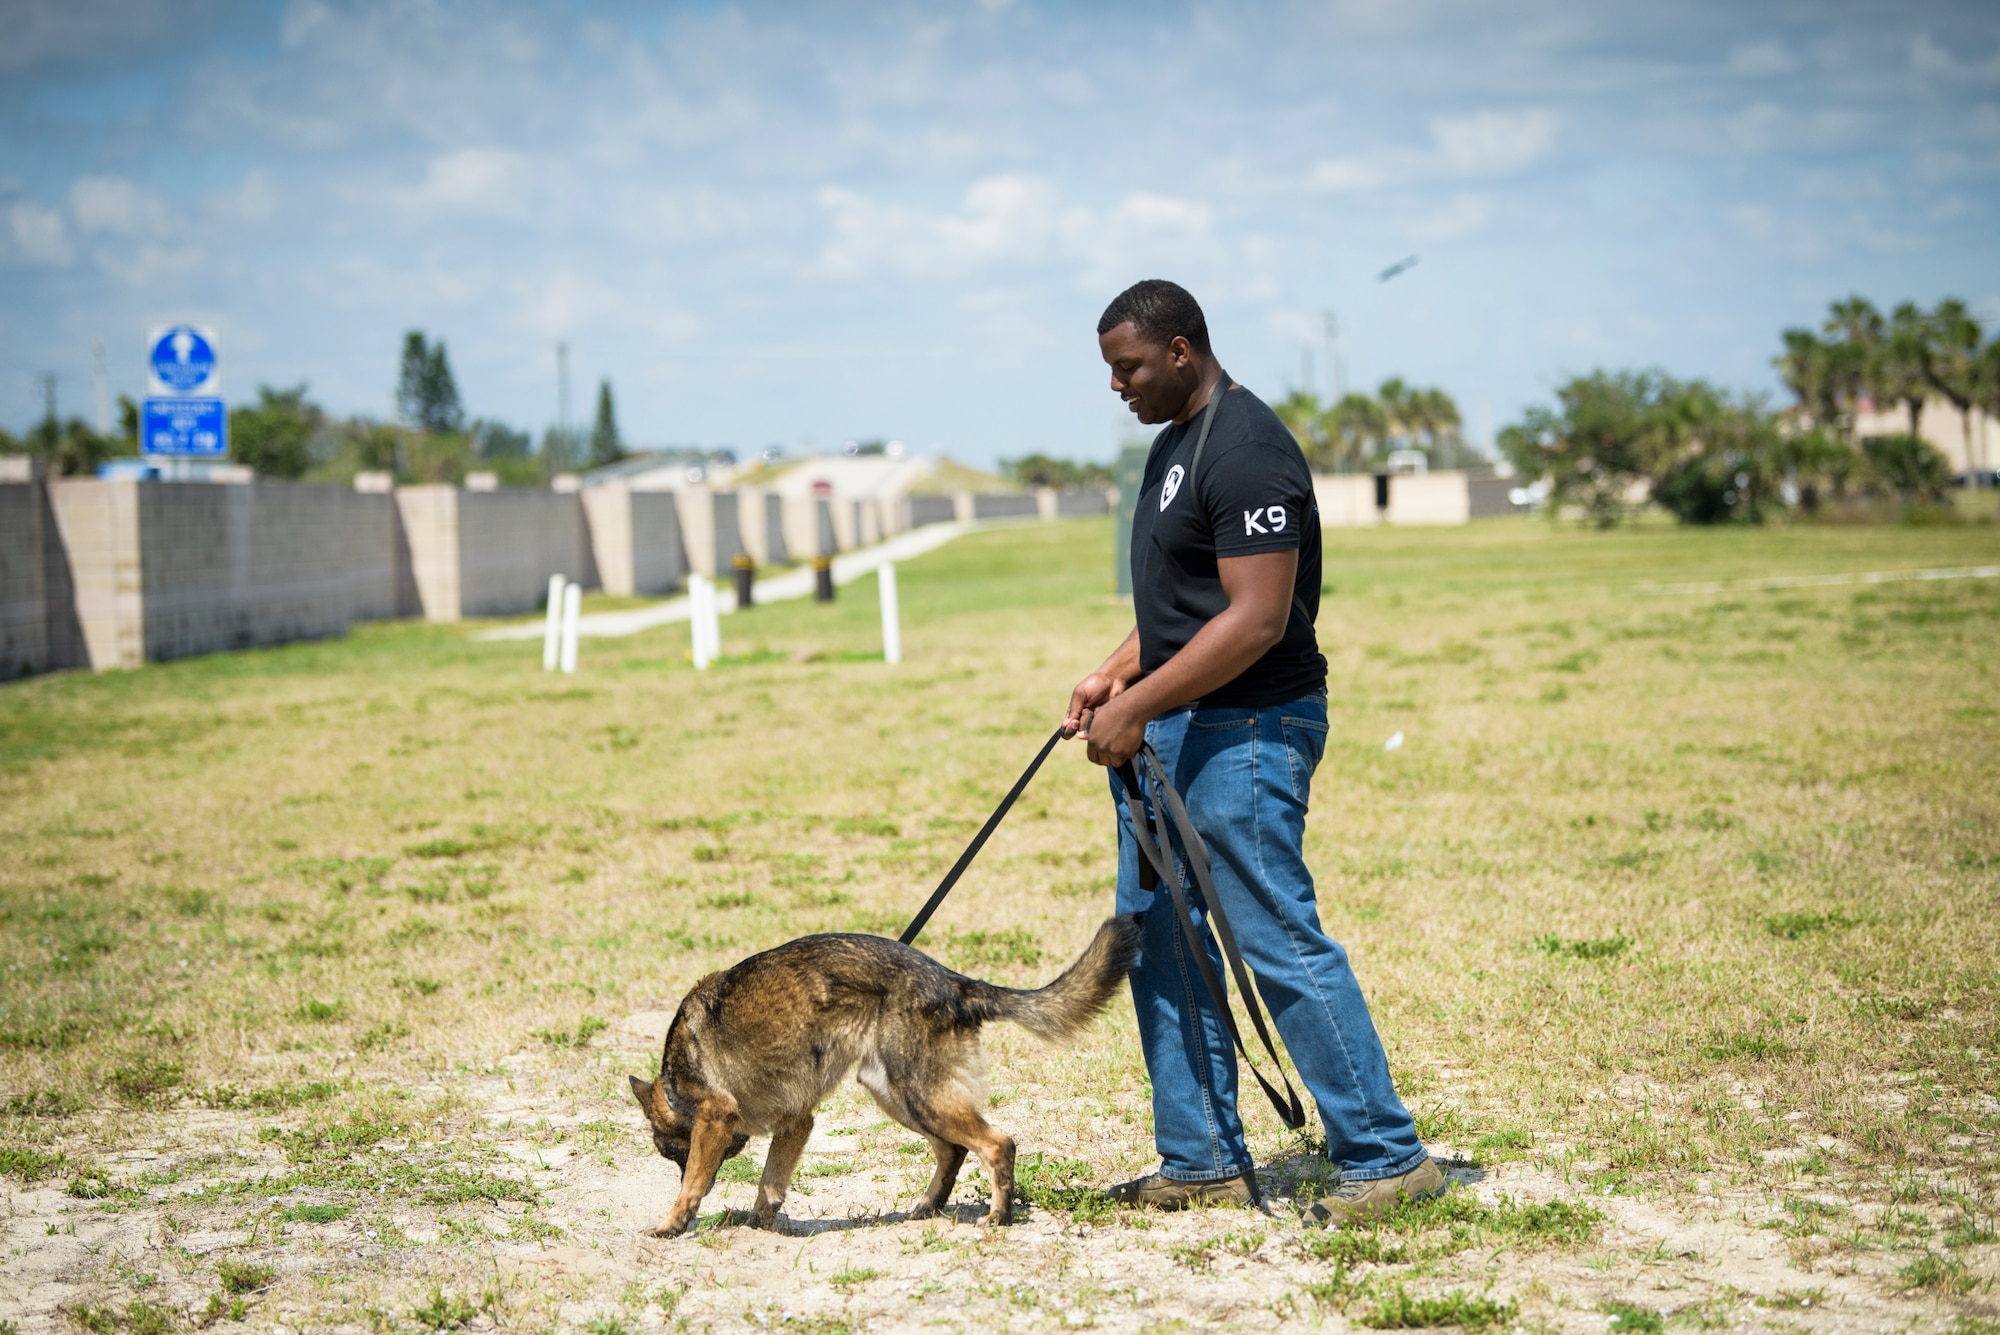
(1394, 743)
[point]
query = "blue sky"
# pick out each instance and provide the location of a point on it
(797, 224)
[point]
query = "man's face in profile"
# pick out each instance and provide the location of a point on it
(1154, 379)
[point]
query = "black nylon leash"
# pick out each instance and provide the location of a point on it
(1156, 848)
(978, 842)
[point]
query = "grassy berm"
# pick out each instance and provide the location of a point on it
(321, 968)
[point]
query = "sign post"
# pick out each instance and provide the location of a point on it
(184, 416)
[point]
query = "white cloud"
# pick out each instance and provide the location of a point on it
(150, 265)
(1004, 220)
(1494, 143)
(1761, 60)
(253, 201)
(484, 182)
(115, 206)
(40, 234)
(1927, 57)
(1487, 143)
(1462, 216)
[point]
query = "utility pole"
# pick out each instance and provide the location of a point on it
(1336, 366)
(48, 379)
(103, 387)
(562, 401)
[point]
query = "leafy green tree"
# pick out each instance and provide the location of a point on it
(426, 392)
(494, 441)
(1727, 468)
(1599, 444)
(128, 423)
(606, 445)
(72, 448)
(274, 435)
(561, 451)
(1042, 470)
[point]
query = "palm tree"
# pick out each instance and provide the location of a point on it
(1436, 416)
(1951, 367)
(1900, 372)
(1300, 412)
(1804, 366)
(1393, 396)
(1355, 428)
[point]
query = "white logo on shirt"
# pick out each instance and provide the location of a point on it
(1254, 520)
(1171, 487)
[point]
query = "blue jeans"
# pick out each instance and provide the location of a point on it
(1245, 775)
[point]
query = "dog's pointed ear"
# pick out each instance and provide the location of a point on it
(642, 1090)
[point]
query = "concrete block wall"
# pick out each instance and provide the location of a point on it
(511, 541)
(242, 565)
(696, 505)
(1488, 494)
(777, 551)
(635, 540)
(429, 521)
(1074, 504)
(97, 524)
(1346, 500)
(930, 510)
(1428, 498)
(24, 610)
(1005, 505)
(726, 521)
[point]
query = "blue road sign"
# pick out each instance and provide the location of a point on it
(186, 428)
(180, 359)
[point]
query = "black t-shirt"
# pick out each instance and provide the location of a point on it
(1252, 493)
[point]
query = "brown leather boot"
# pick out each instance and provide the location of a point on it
(1154, 1192)
(1365, 1202)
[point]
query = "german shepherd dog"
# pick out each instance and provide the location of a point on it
(754, 1050)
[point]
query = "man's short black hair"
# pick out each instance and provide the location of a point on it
(1160, 311)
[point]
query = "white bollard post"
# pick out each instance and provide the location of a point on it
(572, 609)
(892, 627)
(713, 606)
(698, 591)
(552, 636)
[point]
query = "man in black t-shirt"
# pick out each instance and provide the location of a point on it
(1223, 676)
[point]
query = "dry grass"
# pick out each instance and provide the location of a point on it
(1686, 904)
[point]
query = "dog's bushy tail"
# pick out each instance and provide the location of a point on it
(1064, 1007)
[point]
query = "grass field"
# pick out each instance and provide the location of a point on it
(1679, 912)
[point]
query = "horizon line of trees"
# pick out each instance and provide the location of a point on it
(1360, 431)
(283, 434)
(1617, 439)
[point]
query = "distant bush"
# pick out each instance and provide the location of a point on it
(1909, 466)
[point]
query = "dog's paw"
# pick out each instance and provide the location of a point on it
(666, 1228)
(923, 1209)
(996, 1217)
(766, 1219)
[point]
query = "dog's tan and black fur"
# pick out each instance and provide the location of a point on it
(754, 1050)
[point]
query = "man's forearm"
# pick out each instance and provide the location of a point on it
(1219, 653)
(1123, 665)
